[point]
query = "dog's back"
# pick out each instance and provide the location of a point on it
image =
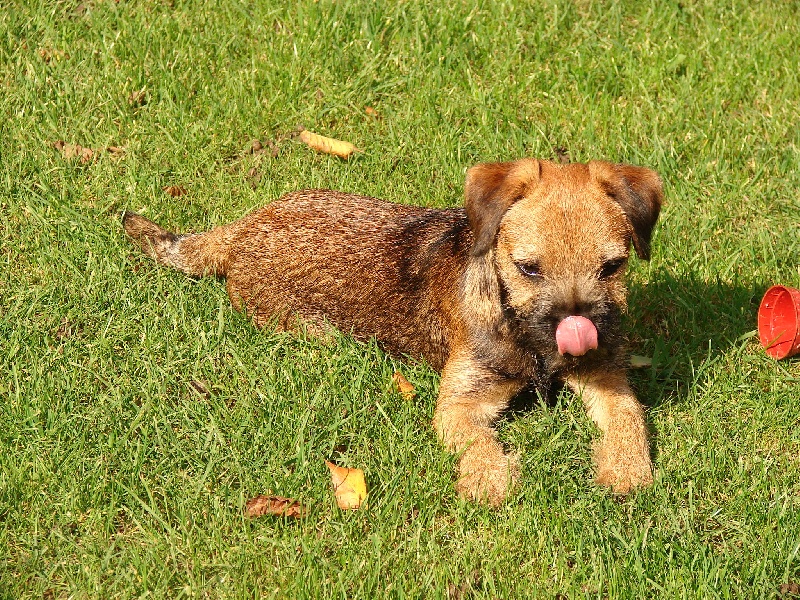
(363, 265)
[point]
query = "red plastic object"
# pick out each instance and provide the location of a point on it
(779, 321)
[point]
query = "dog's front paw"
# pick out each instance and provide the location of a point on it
(486, 473)
(623, 466)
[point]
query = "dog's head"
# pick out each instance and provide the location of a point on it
(558, 238)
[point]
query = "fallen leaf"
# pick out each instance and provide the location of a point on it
(274, 505)
(789, 590)
(404, 386)
(200, 388)
(64, 329)
(371, 111)
(175, 190)
(137, 98)
(348, 485)
(70, 151)
(116, 150)
(563, 155)
(257, 148)
(327, 145)
(467, 588)
(49, 54)
(253, 177)
(640, 362)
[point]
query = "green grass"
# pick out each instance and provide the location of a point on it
(117, 479)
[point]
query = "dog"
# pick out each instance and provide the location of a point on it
(523, 286)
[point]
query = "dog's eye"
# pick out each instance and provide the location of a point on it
(531, 269)
(611, 267)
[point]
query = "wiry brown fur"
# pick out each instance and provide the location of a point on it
(447, 285)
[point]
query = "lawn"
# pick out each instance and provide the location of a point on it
(139, 412)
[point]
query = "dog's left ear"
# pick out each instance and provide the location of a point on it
(639, 192)
(490, 190)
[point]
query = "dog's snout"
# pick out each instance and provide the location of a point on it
(574, 302)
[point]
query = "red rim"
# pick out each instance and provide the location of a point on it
(779, 321)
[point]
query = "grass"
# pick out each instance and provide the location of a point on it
(119, 479)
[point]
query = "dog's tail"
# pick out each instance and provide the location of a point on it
(196, 254)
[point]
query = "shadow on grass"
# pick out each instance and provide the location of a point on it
(680, 322)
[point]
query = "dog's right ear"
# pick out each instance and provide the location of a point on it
(490, 191)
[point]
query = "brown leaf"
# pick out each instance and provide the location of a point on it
(116, 150)
(50, 54)
(253, 177)
(70, 151)
(349, 486)
(327, 145)
(563, 155)
(257, 148)
(64, 329)
(137, 98)
(275, 505)
(371, 111)
(175, 190)
(789, 590)
(466, 588)
(404, 386)
(200, 388)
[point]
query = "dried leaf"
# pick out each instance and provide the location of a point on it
(640, 362)
(116, 150)
(50, 54)
(70, 151)
(404, 386)
(371, 111)
(175, 190)
(349, 486)
(137, 98)
(257, 148)
(789, 590)
(327, 145)
(563, 155)
(200, 388)
(275, 505)
(64, 329)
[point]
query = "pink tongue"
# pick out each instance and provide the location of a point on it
(576, 336)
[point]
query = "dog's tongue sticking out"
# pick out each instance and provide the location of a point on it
(576, 336)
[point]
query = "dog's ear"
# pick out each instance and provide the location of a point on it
(639, 192)
(490, 191)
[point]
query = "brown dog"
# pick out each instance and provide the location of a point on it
(523, 286)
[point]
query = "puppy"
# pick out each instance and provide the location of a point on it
(522, 286)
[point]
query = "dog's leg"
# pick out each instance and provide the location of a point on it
(470, 399)
(622, 455)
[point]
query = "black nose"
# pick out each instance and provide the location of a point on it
(573, 309)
